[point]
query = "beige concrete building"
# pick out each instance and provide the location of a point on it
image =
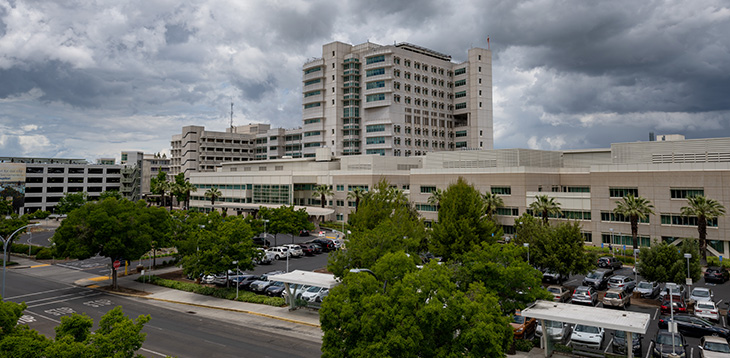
(139, 169)
(587, 184)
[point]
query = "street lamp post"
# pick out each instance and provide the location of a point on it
(689, 285)
(5, 251)
(636, 271)
(527, 245)
(610, 244)
(266, 234)
(239, 277)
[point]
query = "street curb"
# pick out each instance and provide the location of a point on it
(203, 306)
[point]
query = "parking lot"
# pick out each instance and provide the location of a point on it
(652, 307)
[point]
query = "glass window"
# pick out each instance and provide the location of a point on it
(375, 72)
(311, 82)
(460, 71)
(501, 190)
(375, 59)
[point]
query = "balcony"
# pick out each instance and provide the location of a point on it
(313, 75)
(314, 112)
(386, 102)
(312, 99)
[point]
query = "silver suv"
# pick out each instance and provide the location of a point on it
(585, 295)
(622, 282)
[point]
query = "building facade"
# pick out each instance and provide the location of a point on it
(586, 183)
(138, 169)
(396, 100)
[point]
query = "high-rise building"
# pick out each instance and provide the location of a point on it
(138, 170)
(399, 100)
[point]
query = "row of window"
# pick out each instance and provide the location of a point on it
(62, 170)
(60, 180)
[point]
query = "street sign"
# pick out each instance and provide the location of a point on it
(689, 281)
(117, 264)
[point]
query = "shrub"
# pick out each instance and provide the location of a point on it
(715, 261)
(23, 249)
(44, 254)
(562, 348)
(523, 345)
(597, 249)
(40, 214)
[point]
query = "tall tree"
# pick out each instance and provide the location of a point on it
(635, 208)
(378, 204)
(703, 209)
(285, 220)
(545, 206)
(213, 193)
(461, 222)
(357, 193)
(159, 185)
(183, 188)
(110, 194)
(322, 191)
(663, 262)
(116, 229)
(492, 202)
(435, 198)
(419, 313)
(70, 202)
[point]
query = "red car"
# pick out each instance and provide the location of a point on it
(677, 302)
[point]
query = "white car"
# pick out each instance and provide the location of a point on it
(280, 252)
(707, 310)
(296, 250)
(264, 257)
(701, 294)
(714, 347)
(557, 331)
(587, 336)
(314, 294)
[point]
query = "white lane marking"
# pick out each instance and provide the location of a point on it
(78, 294)
(98, 303)
(651, 345)
(59, 301)
(25, 319)
(60, 311)
(36, 293)
(42, 316)
(608, 346)
(223, 345)
(153, 352)
(656, 312)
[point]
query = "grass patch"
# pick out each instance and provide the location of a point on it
(225, 293)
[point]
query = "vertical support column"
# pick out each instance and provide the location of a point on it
(629, 344)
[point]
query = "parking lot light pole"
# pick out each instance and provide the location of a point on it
(636, 270)
(238, 276)
(5, 252)
(689, 286)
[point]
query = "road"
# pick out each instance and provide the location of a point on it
(175, 330)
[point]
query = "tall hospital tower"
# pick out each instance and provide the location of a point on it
(396, 100)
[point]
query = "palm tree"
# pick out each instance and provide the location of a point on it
(357, 193)
(186, 188)
(492, 202)
(545, 205)
(322, 191)
(635, 208)
(213, 193)
(435, 198)
(703, 209)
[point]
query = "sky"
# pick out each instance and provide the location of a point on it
(89, 79)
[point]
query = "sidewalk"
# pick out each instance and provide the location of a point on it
(153, 292)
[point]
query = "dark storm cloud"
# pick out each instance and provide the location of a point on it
(176, 34)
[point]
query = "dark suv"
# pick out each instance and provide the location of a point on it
(598, 279)
(716, 274)
(609, 263)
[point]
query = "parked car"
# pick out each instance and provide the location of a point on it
(716, 274)
(598, 279)
(303, 232)
(295, 250)
(523, 327)
(626, 283)
(327, 245)
(609, 262)
(665, 345)
(317, 247)
(616, 297)
(707, 310)
(587, 336)
(560, 293)
(694, 326)
(677, 302)
(244, 281)
(262, 240)
(648, 289)
(557, 331)
(275, 289)
(585, 295)
(315, 295)
(552, 276)
(263, 257)
(677, 289)
(714, 347)
(308, 249)
(701, 294)
(263, 282)
(280, 252)
(208, 279)
(619, 343)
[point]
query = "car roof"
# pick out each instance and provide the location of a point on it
(714, 339)
(615, 290)
(619, 277)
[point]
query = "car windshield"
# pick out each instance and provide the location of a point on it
(555, 324)
(554, 290)
(611, 295)
(667, 339)
(581, 291)
(705, 305)
(645, 285)
(587, 329)
(701, 293)
(593, 275)
(313, 289)
(716, 347)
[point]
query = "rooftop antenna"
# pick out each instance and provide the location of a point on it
(231, 113)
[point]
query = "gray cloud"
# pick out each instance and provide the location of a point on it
(93, 79)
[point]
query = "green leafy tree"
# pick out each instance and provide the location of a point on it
(285, 220)
(110, 194)
(703, 209)
(322, 191)
(117, 229)
(663, 262)
(504, 272)
(420, 313)
(10, 224)
(214, 244)
(183, 188)
(6, 206)
(70, 202)
(492, 202)
(635, 208)
(379, 204)
(213, 193)
(461, 222)
(435, 198)
(557, 248)
(159, 185)
(545, 206)
(357, 193)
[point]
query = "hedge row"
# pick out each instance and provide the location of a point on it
(225, 293)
